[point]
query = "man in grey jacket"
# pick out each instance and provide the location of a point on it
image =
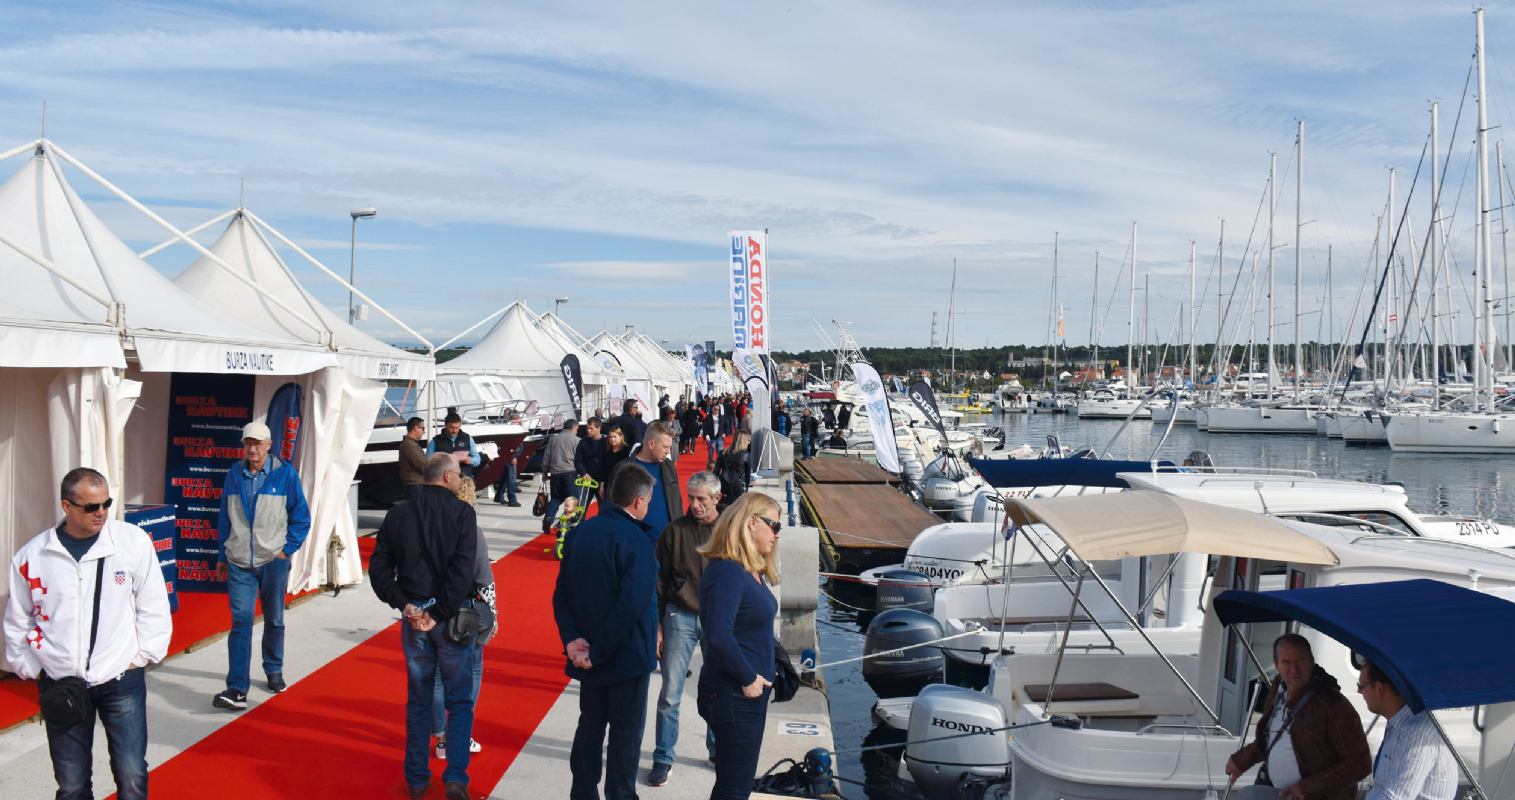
(264, 520)
(557, 464)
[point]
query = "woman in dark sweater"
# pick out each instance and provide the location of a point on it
(615, 452)
(737, 608)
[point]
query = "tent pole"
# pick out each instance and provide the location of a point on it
(57, 273)
(161, 246)
(492, 315)
(339, 279)
(1462, 765)
(166, 225)
(12, 153)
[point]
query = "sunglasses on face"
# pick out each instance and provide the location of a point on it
(773, 524)
(91, 508)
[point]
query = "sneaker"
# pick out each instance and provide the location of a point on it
(659, 774)
(473, 747)
(233, 700)
(276, 683)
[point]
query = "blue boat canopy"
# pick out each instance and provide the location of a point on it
(1007, 473)
(1443, 646)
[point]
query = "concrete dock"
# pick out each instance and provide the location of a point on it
(325, 627)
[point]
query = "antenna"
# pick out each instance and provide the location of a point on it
(44, 120)
(242, 193)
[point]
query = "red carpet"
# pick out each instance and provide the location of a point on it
(200, 616)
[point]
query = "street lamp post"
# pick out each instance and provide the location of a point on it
(352, 264)
(557, 306)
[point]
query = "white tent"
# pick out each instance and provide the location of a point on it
(599, 380)
(677, 373)
(244, 248)
(637, 383)
(528, 358)
(86, 329)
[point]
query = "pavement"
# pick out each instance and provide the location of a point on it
(323, 627)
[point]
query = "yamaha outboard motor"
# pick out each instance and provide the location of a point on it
(957, 737)
(894, 668)
(902, 588)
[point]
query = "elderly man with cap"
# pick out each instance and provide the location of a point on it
(264, 520)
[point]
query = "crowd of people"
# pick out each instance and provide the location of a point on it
(643, 582)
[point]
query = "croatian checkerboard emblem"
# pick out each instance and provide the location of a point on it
(120, 577)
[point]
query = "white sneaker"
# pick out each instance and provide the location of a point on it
(473, 747)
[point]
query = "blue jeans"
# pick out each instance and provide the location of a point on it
(738, 725)
(121, 705)
(507, 483)
(807, 445)
(681, 635)
(438, 703)
(623, 707)
(268, 584)
(427, 655)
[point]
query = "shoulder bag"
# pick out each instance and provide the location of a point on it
(66, 702)
(465, 622)
(786, 682)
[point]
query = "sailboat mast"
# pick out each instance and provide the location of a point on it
(1057, 314)
(1220, 305)
(1272, 182)
(1504, 252)
(1483, 325)
(951, 323)
(1436, 252)
(1193, 345)
(1094, 314)
(1299, 226)
(1131, 317)
(1388, 310)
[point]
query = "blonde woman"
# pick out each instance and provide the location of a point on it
(736, 619)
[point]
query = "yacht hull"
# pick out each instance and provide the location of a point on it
(1452, 433)
(1261, 420)
(1111, 409)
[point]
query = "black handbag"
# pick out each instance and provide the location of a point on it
(66, 702)
(539, 506)
(465, 624)
(786, 682)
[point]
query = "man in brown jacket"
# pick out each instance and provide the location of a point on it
(1309, 739)
(412, 457)
(679, 569)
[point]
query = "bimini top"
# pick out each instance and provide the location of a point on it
(1440, 644)
(1133, 524)
(1009, 472)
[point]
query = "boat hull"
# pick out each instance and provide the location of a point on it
(1451, 433)
(1244, 419)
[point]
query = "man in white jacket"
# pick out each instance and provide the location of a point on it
(49, 622)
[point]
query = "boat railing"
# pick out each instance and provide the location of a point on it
(1204, 730)
(1233, 471)
(1430, 541)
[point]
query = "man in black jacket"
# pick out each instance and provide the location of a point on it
(423, 564)
(632, 426)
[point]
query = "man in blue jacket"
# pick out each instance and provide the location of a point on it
(606, 612)
(264, 520)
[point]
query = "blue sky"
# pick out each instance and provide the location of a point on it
(601, 151)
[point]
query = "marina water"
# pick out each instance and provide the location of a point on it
(1479, 486)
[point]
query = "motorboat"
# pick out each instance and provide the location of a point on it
(1013, 398)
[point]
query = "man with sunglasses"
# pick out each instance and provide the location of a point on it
(88, 602)
(1413, 762)
(264, 520)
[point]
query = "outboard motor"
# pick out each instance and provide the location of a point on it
(903, 588)
(988, 507)
(894, 668)
(956, 736)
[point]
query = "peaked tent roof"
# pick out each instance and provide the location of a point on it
(631, 367)
(1435, 641)
(55, 321)
(594, 373)
(513, 346)
(243, 248)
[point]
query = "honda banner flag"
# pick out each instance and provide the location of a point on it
(749, 290)
(884, 446)
(925, 399)
(573, 379)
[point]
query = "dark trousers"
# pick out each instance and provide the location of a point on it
(737, 723)
(623, 708)
(559, 486)
(121, 705)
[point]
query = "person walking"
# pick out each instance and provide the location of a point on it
(412, 457)
(630, 420)
(605, 608)
(425, 565)
(711, 429)
(737, 609)
(679, 568)
(263, 521)
(810, 431)
(616, 452)
(691, 427)
(734, 468)
(505, 487)
(652, 456)
(558, 465)
(671, 419)
(483, 599)
(589, 455)
(88, 604)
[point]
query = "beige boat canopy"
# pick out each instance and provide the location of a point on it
(1137, 523)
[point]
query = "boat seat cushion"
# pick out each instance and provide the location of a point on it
(1078, 692)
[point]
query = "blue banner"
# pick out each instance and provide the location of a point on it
(205, 420)
(158, 522)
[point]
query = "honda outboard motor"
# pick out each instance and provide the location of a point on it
(956, 734)
(894, 668)
(902, 588)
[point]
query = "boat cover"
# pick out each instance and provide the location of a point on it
(1007, 473)
(1097, 527)
(1443, 646)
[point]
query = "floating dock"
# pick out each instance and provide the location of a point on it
(863, 525)
(837, 470)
